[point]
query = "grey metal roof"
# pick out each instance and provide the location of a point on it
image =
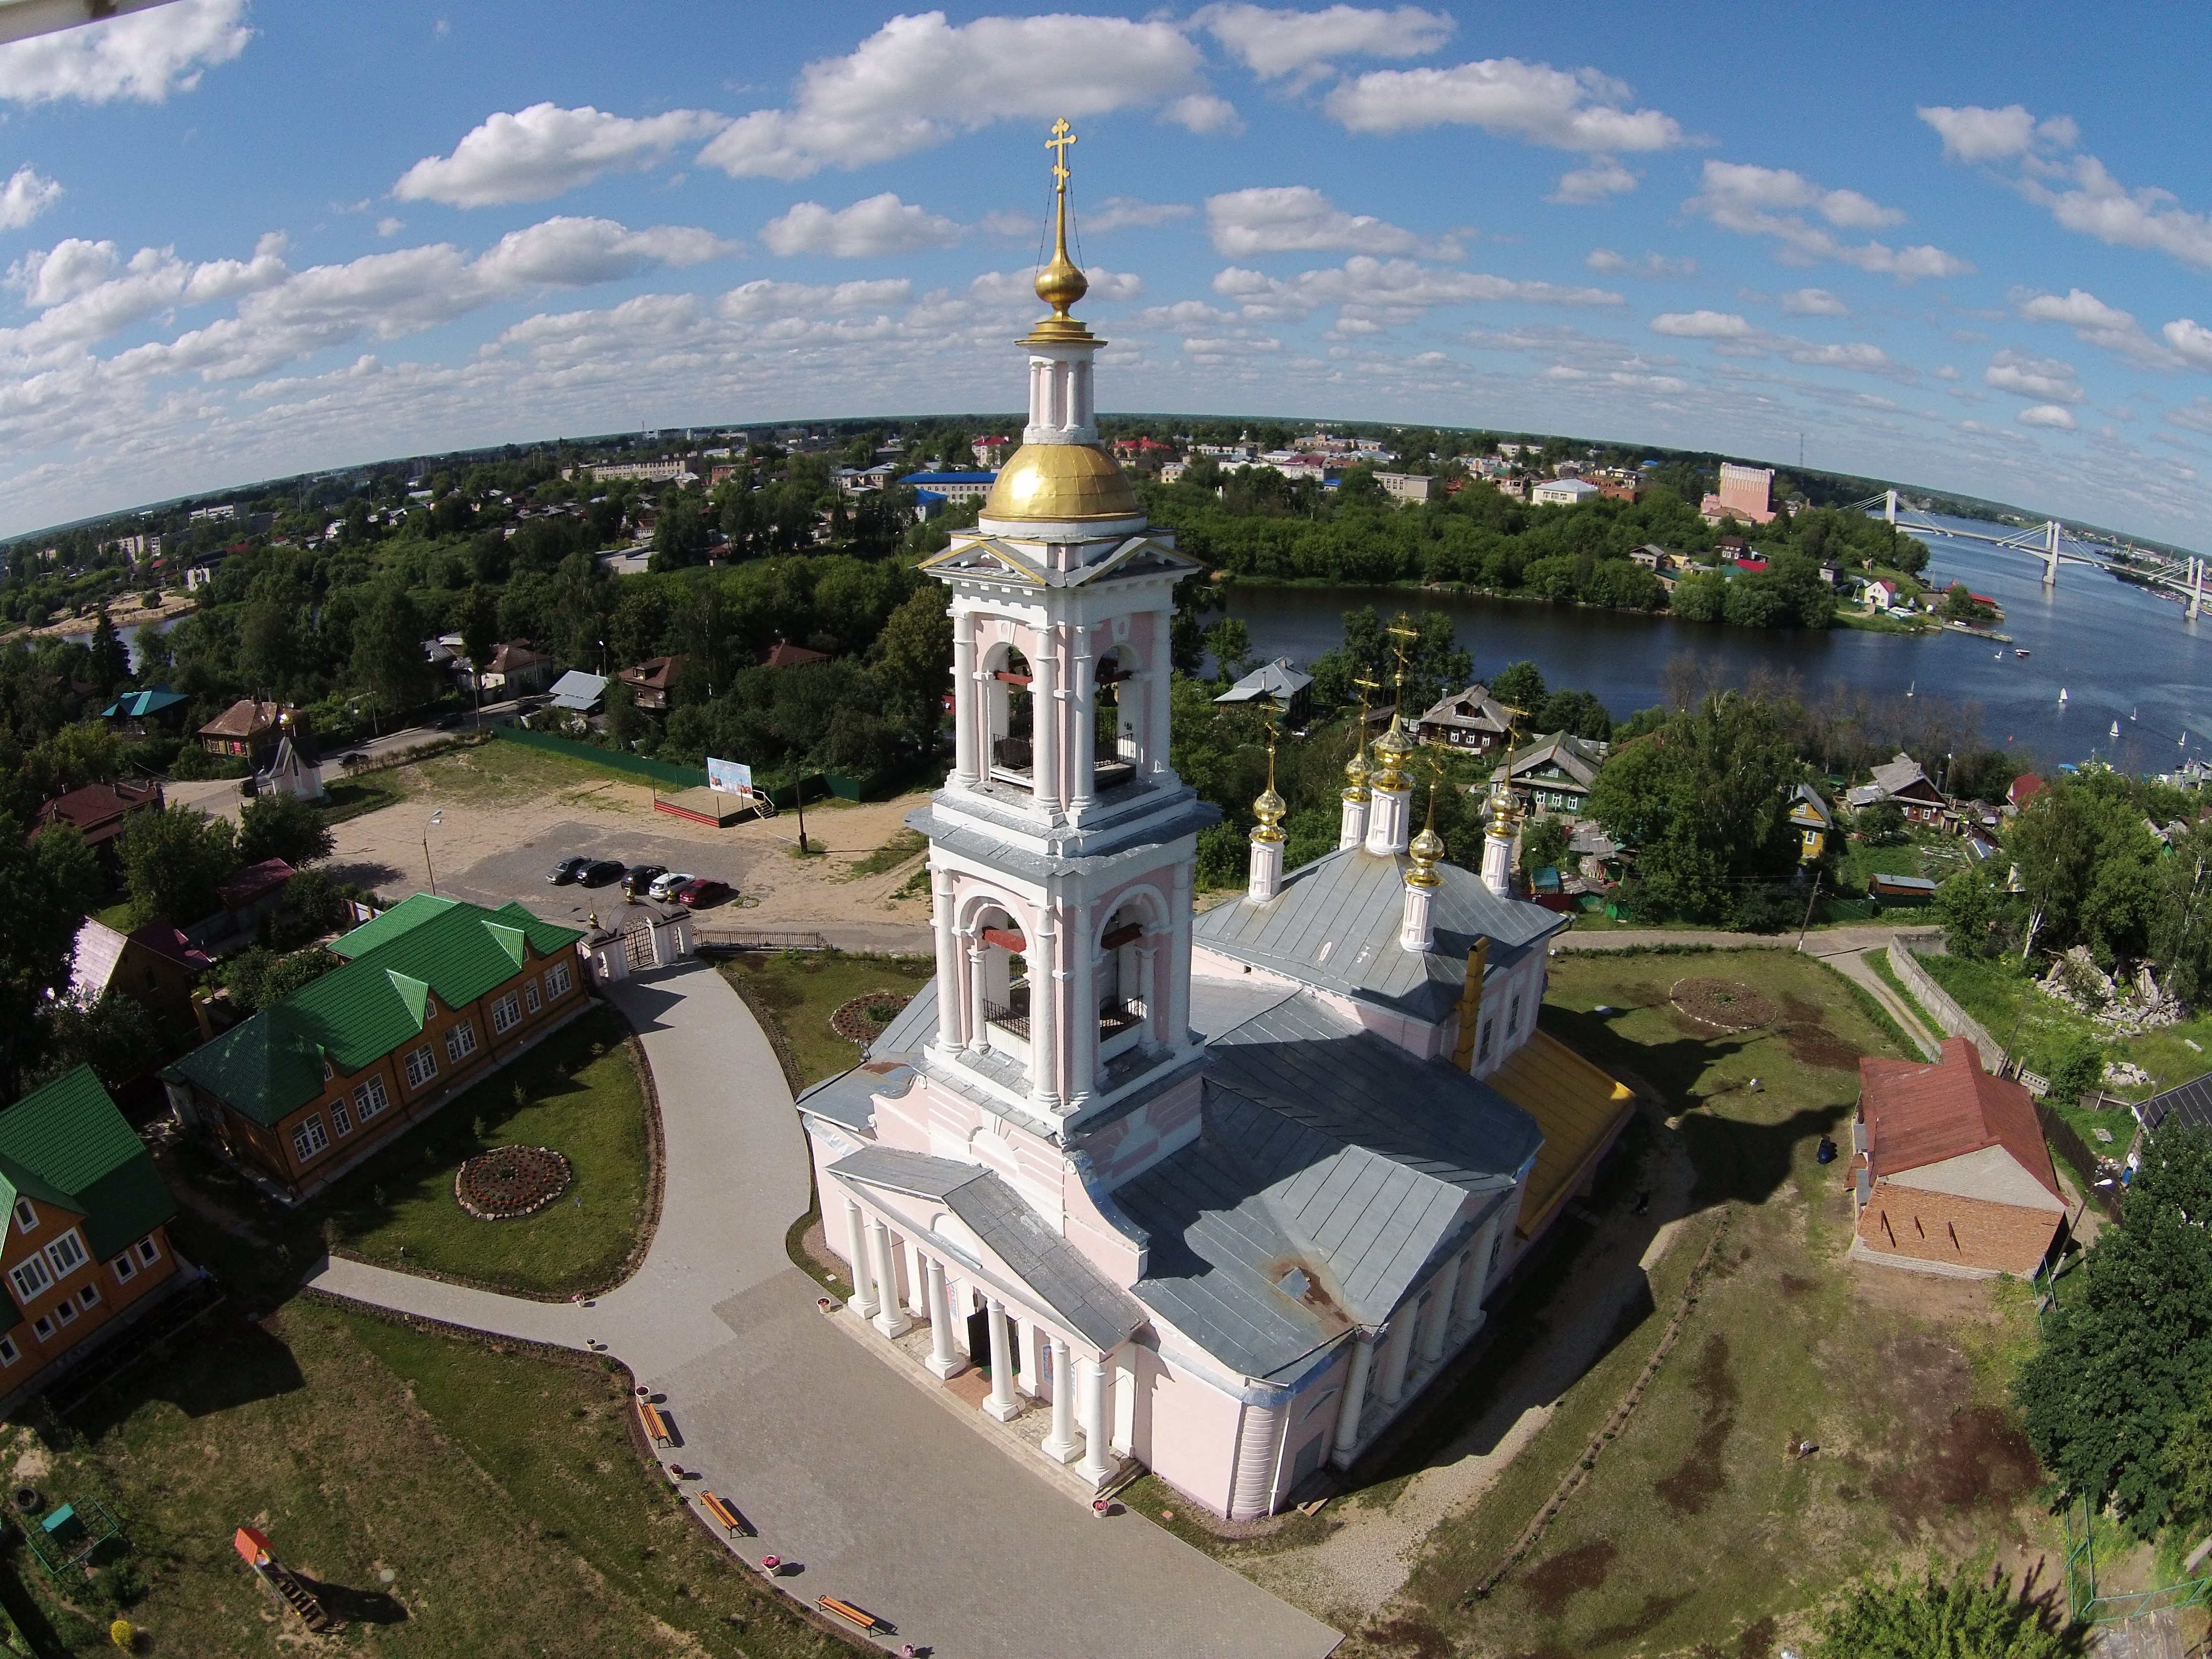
(1474, 708)
(1047, 1263)
(1108, 840)
(1578, 757)
(1275, 679)
(2189, 1106)
(910, 1029)
(577, 689)
(1325, 1150)
(1219, 1005)
(849, 1098)
(1335, 925)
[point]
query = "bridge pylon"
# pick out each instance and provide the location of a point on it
(2196, 587)
(1889, 506)
(2051, 553)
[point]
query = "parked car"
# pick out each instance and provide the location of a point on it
(568, 869)
(698, 895)
(638, 879)
(664, 886)
(598, 872)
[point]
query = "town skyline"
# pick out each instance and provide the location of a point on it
(245, 245)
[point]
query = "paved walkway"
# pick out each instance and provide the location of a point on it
(1822, 942)
(1855, 967)
(841, 1463)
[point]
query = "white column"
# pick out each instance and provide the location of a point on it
(943, 1359)
(948, 963)
(1397, 1347)
(890, 1318)
(1265, 878)
(1097, 1463)
(1060, 1444)
(1176, 994)
(1417, 930)
(965, 696)
(1043, 953)
(1044, 719)
(1498, 862)
(1156, 697)
(1083, 1009)
(1082, 725)
(856, 1252)
(1354, 1397)
(917, 1291)
(1351, 829)
(1148, 984)
(978, 1030)
(1002, 1404)
(1387, 819)
(1440, 1313)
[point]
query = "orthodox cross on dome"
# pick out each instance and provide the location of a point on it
(1061, 283)
(1270, 807)
(1062, 136)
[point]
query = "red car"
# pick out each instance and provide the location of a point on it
(698, 895)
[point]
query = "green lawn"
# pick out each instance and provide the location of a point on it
(500, 1490)
(579, 1095)
(800, 989)
(1694, 1531)
(352, 794)
(495, 772)
(1998, 994)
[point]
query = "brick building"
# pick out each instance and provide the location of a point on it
(1952, 1174)
(434, 994)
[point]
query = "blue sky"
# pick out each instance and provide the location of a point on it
(1965, 246)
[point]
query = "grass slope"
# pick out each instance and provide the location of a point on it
(800, 989)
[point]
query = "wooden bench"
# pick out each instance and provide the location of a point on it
(844, 1609)
(655, 1425)
(725, 1512)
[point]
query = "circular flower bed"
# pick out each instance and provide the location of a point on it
(508, 1182)
(863, 1018)
(1722, 1003)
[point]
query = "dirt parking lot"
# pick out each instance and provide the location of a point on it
(507, 816)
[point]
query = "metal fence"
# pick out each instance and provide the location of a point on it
(737, 939)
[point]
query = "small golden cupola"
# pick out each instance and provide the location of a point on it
(1060, 474)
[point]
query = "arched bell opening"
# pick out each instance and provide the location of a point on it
(1010, 718)
(1117, 743)
(1126, 975)
(1000, 983)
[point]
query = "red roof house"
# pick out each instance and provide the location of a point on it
(784, 654)
(100, 810)
(1952, 1176)
(2025, 789)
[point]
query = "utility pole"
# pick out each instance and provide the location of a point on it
(1805, 925)
(436, 818)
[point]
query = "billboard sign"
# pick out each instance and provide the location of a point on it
(730, 777)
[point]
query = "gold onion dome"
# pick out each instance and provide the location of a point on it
(1356, 776)
(1501, 814)
(1392, 747)
(1269, 809)
(1056, 481)
(1427, 852)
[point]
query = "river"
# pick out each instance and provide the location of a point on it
(2120, 654)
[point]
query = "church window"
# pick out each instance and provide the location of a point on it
(1482, 1041)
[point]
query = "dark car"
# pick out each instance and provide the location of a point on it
(447, 722)
(638, 879)
(698, 895)
(567, 870)
(599, 872)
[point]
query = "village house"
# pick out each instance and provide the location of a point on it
(1562, 492)
(1814, 821)
(1554, 772)
(651, 681)
(249, 730)
(434, 994)
(2025, 789)
(784, 654)
(155, 965)
(1901, 781)
(1951, 1174)
(514, 670)
(87, 1245)
(1277, 683)
(1471, 719)
(1410, 486)
(951, 486)
(101, 812)
(144, 713)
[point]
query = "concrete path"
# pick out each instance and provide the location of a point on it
(1855, 967)
(840, 1462)
(1821, 942)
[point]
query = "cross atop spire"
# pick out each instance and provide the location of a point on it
(1061, 283)
(1062, 136)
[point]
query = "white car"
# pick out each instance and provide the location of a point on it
(664, 887)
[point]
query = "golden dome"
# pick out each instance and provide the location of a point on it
(1392, 749)
(1269, 809)
(1056, 481)
(1356, 776)
(1427, 852)
(1061, 284)
(1503, 814)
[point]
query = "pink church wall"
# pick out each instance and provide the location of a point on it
(1186, 1431)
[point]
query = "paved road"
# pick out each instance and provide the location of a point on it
(1825, 942)
(841, 1461)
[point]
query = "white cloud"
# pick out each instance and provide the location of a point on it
(144, 56)
(1122, 212)
(544, 150)
(2075, 189)
(1202, 112)
(1702, 325)
(1183, 314)
(1756, 201)
(24, 197)
(86, 291)
(572, 252)
(2191, 340)
(2197, 417)
(1586, 186)
(2044, 378)
(1298, 219)
(1395, 290)
(2049, 415)
(773, 302)
(389, 226)
(919, 80)
(1273, 43)
(71, 267)
(1651, 265)
(1813, 302)
(1565, 109)
(2094, 321)
(868, 229)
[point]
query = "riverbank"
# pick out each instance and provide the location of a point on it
(126, 613)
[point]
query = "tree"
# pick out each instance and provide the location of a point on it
(1543, 844)
(112, 1033)
(279, 826)
(2131, 1350)
(1434, 661)
(477, 616)
(1969, 1616)
(111, 663)
(258, 976)
(914, 663)
(2079, 1067)
(1882, 823)
(1229, 641)
(388, 660)
(46, 887)
(1521, 685)
(1968, 905)
(624, 725)
(2181, 936)
(1578, 712)
(172, 862)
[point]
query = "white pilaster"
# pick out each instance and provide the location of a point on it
(1397, 1349)
(1417, 931)
(1043, 954)
(889, 1318)
(1354, 1398)
(1097, 1463)
(1178, 995)
(856, 1253)
(1002, 1404)
(944, 1360)
(979, 1028)
(1083, 1009)
(964, 691)
(1060, 1444)
(917, 1291)
(1158, 697)
(1044, 720)
(1387, 819)
(948, 963)
(1498, 862)
(1082, 725)
(1352, 829)
(1440, 1314)
(1266, 879)
(1148, 988)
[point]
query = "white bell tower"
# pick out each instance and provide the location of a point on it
(1063, 844)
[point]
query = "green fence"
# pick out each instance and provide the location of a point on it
(667, 772)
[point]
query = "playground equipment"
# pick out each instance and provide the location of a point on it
(253, 1546)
